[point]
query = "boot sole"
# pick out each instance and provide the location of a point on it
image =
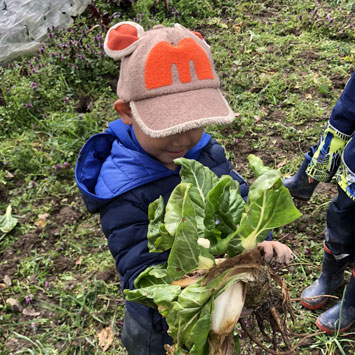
(314, 307)
(332, 331)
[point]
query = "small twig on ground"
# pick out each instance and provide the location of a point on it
(258, 342)
(274, 332)
(92, 28)
(273, 352)
(280, 327)
(313, 297)
(304, 338)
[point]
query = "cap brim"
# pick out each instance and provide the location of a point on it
(166, 115)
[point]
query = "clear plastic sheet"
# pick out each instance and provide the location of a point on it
(24, 23)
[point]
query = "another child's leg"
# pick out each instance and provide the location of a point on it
(340, 226)
(340, 236)
(341, 316)
(339, 250)
(143, 339)
(331, 277)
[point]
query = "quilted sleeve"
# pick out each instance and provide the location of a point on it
(125, 222)
(342, 117)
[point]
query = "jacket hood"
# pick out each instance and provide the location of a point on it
(113, 162)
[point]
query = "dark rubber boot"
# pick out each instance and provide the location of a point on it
(341, 316)
(331, 277)
(298, 184)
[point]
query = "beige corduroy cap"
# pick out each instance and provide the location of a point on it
(168, 77)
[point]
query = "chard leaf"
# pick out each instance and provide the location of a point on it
(273, 209)
(7, 222)
(225, 204)
(202, 180)
(269, 180)
(198, 175)
(164, 242)
(182, 319)
(152, 275)
(269, 206)
(175, 206)
(185, 252)
(200, 331)
(181, 217)
(159, 239)
(220, 245)
(151, 296)
(206, 259)
(257, 165)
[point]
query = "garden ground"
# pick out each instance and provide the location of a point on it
(282, 64)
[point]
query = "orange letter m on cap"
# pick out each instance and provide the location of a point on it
(164, 55)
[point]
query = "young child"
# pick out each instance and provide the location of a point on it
(335, 152)
(168, 91)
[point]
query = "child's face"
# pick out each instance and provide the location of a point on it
(164, 149)
(168, 148)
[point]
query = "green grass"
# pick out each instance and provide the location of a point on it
(282, 66)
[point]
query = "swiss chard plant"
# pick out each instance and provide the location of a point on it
(212, 234)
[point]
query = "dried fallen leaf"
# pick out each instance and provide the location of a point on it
(315, 78)
(30, 312)
(78, 262)
(222, 25)
(13, 345)
(3, 286)
(105, 338)
(9, 175)
(42, 220)
(7, 280)
(33, 279)
(281, 164)
(15, 305)
(237, 28)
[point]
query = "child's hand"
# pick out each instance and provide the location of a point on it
(281, 251)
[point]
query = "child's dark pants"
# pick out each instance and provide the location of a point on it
(140, 340)
(340, 234)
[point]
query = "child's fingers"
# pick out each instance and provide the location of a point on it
(267, 250)
(281, 252)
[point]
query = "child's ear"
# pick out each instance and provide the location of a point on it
(124, 111)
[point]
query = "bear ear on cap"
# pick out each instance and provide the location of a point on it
(197, 34)
(122, 39)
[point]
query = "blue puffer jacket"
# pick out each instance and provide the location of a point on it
(119, 180)
(343, 119)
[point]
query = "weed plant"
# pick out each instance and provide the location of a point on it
(282, 64)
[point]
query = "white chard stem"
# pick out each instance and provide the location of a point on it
(227, 308)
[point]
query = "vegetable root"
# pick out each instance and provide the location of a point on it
(221, 344)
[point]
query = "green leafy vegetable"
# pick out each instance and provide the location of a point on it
(269, 206)
(7, 222)
(205, 218)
